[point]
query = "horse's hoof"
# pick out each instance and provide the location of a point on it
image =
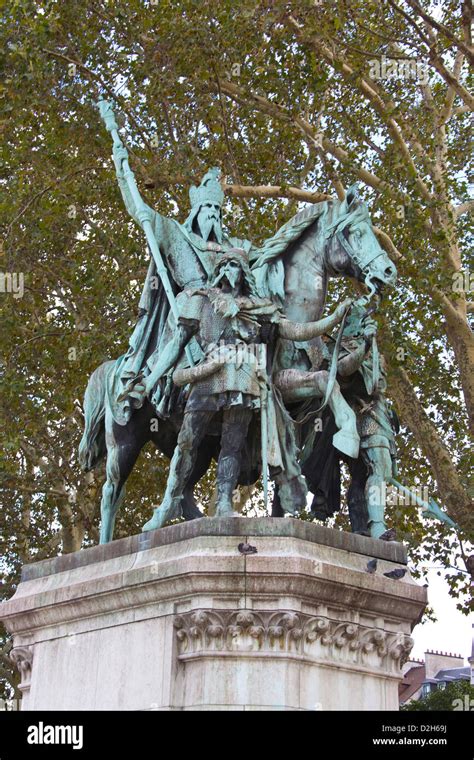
(154, 524)
(170, 509)
(346, 442)
(192, 513)
(160, 518)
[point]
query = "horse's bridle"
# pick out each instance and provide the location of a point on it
(363, 261)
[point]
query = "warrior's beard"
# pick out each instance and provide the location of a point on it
(211, 228)
(232, 275)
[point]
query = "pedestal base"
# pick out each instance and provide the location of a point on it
(181, 619)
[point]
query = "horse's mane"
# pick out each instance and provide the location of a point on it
(287, 234)
(268, 261)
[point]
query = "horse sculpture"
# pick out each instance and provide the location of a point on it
(294, 269)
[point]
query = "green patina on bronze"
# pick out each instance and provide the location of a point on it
(207, 292)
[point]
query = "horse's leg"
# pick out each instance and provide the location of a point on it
(189, 505)
(123, 449)
(380, 469)
(356, 499)
(297, 384)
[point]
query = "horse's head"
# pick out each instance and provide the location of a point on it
(352, 248)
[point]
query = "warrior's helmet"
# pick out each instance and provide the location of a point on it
(239, 256)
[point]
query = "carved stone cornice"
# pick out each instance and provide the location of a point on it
(204, 632)
(296, 563)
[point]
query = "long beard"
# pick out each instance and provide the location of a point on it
(231, 276)
(211, 227)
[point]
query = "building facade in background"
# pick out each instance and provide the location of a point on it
(436, 671)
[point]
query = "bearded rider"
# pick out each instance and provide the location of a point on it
(190, 252)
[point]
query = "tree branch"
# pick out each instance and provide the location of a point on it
(468, 50)
(280, 112)
(372, 92)
(451, 94)
(412, 414)
(461, 338)
(464, 208)
(274, 191)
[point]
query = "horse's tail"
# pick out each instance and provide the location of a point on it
(92, 448)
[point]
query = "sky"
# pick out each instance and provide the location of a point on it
(452, 632)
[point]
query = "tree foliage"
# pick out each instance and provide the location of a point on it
(458, 695)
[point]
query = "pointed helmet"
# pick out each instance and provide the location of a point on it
(209, 191)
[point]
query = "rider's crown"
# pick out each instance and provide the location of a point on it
(209, 191)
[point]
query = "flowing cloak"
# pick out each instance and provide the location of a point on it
(190, 261)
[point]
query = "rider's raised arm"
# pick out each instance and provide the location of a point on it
(159, 222)
(127, 198)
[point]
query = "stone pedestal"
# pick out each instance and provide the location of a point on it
(181, 619)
